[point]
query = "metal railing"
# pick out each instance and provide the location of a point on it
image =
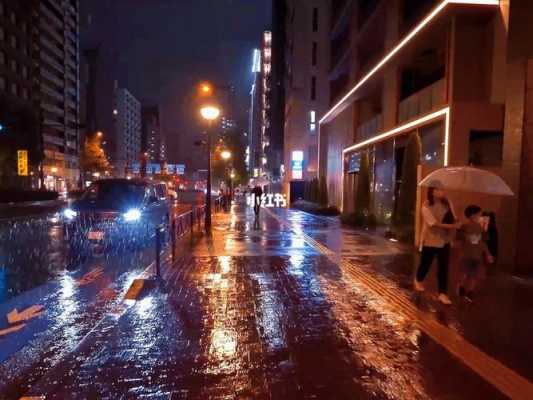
(180, 226)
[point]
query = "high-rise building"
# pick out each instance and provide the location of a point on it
(260, 109)
(306, 89)
(127, 139)
(449, 78)
(227, 125)
(254, 148)
(40, 55)
(152, 142)
(274, 152)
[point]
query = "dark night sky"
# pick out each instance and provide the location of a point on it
(160, 49)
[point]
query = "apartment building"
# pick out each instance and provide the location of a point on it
(454, 73)
(127, 139)
(306, 88)
(39, 58)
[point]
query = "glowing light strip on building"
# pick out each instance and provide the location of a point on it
(408, 126)
(432, 15)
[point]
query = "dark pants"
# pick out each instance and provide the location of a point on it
(426, 259)
(257, 204)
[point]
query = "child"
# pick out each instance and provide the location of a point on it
(474, 250)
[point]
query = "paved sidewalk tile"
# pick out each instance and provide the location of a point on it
(259, 312)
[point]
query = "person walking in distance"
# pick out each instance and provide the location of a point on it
(438, 224)
(257, 194)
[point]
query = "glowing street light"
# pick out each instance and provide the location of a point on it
(226, 155)
(99, 134)
(210, 113)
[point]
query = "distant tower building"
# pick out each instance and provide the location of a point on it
(254, 129)
(227, 124)
(265, 99)
(151, 142)
(127, 139)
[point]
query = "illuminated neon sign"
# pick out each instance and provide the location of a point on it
(269, 200)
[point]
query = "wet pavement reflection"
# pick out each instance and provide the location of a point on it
(257, 311)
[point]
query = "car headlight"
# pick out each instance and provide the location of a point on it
(69, 213)
(132, 215)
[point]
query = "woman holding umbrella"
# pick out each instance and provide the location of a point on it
(438, 223)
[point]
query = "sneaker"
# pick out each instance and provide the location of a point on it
(444, 299)
(418, 286)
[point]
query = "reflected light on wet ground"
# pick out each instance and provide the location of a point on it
(223, 343)
(145, 307)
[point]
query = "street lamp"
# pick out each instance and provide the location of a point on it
(226, 155)
(209, 113)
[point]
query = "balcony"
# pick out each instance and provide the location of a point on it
(423, 101)
(53, 139)
(370, 128)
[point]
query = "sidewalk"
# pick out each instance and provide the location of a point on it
(293, 306)
(499, 322)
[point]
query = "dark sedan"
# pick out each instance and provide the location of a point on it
(116, 212)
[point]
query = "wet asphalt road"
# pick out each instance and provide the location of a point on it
(258, 311)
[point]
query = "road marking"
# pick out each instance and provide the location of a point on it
(90, 276)
(15, 317)
(134, 290)
(507, 381)
(12, 329)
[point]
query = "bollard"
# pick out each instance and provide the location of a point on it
(173, 240)
(158, 251)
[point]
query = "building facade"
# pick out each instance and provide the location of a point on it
(152, 143)
(41, 48)
(127, 139)
(306, 88)
(453, 76)
(254, 148)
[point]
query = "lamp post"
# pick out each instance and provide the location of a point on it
(226, 155)
(209, 113)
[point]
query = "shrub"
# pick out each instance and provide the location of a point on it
(359, 220)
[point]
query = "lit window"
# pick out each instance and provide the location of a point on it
(312, 127)
(312, 117)
(297, 155)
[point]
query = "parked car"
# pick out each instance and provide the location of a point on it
(114, 212)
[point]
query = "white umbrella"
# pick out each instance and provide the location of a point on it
(467, 179)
